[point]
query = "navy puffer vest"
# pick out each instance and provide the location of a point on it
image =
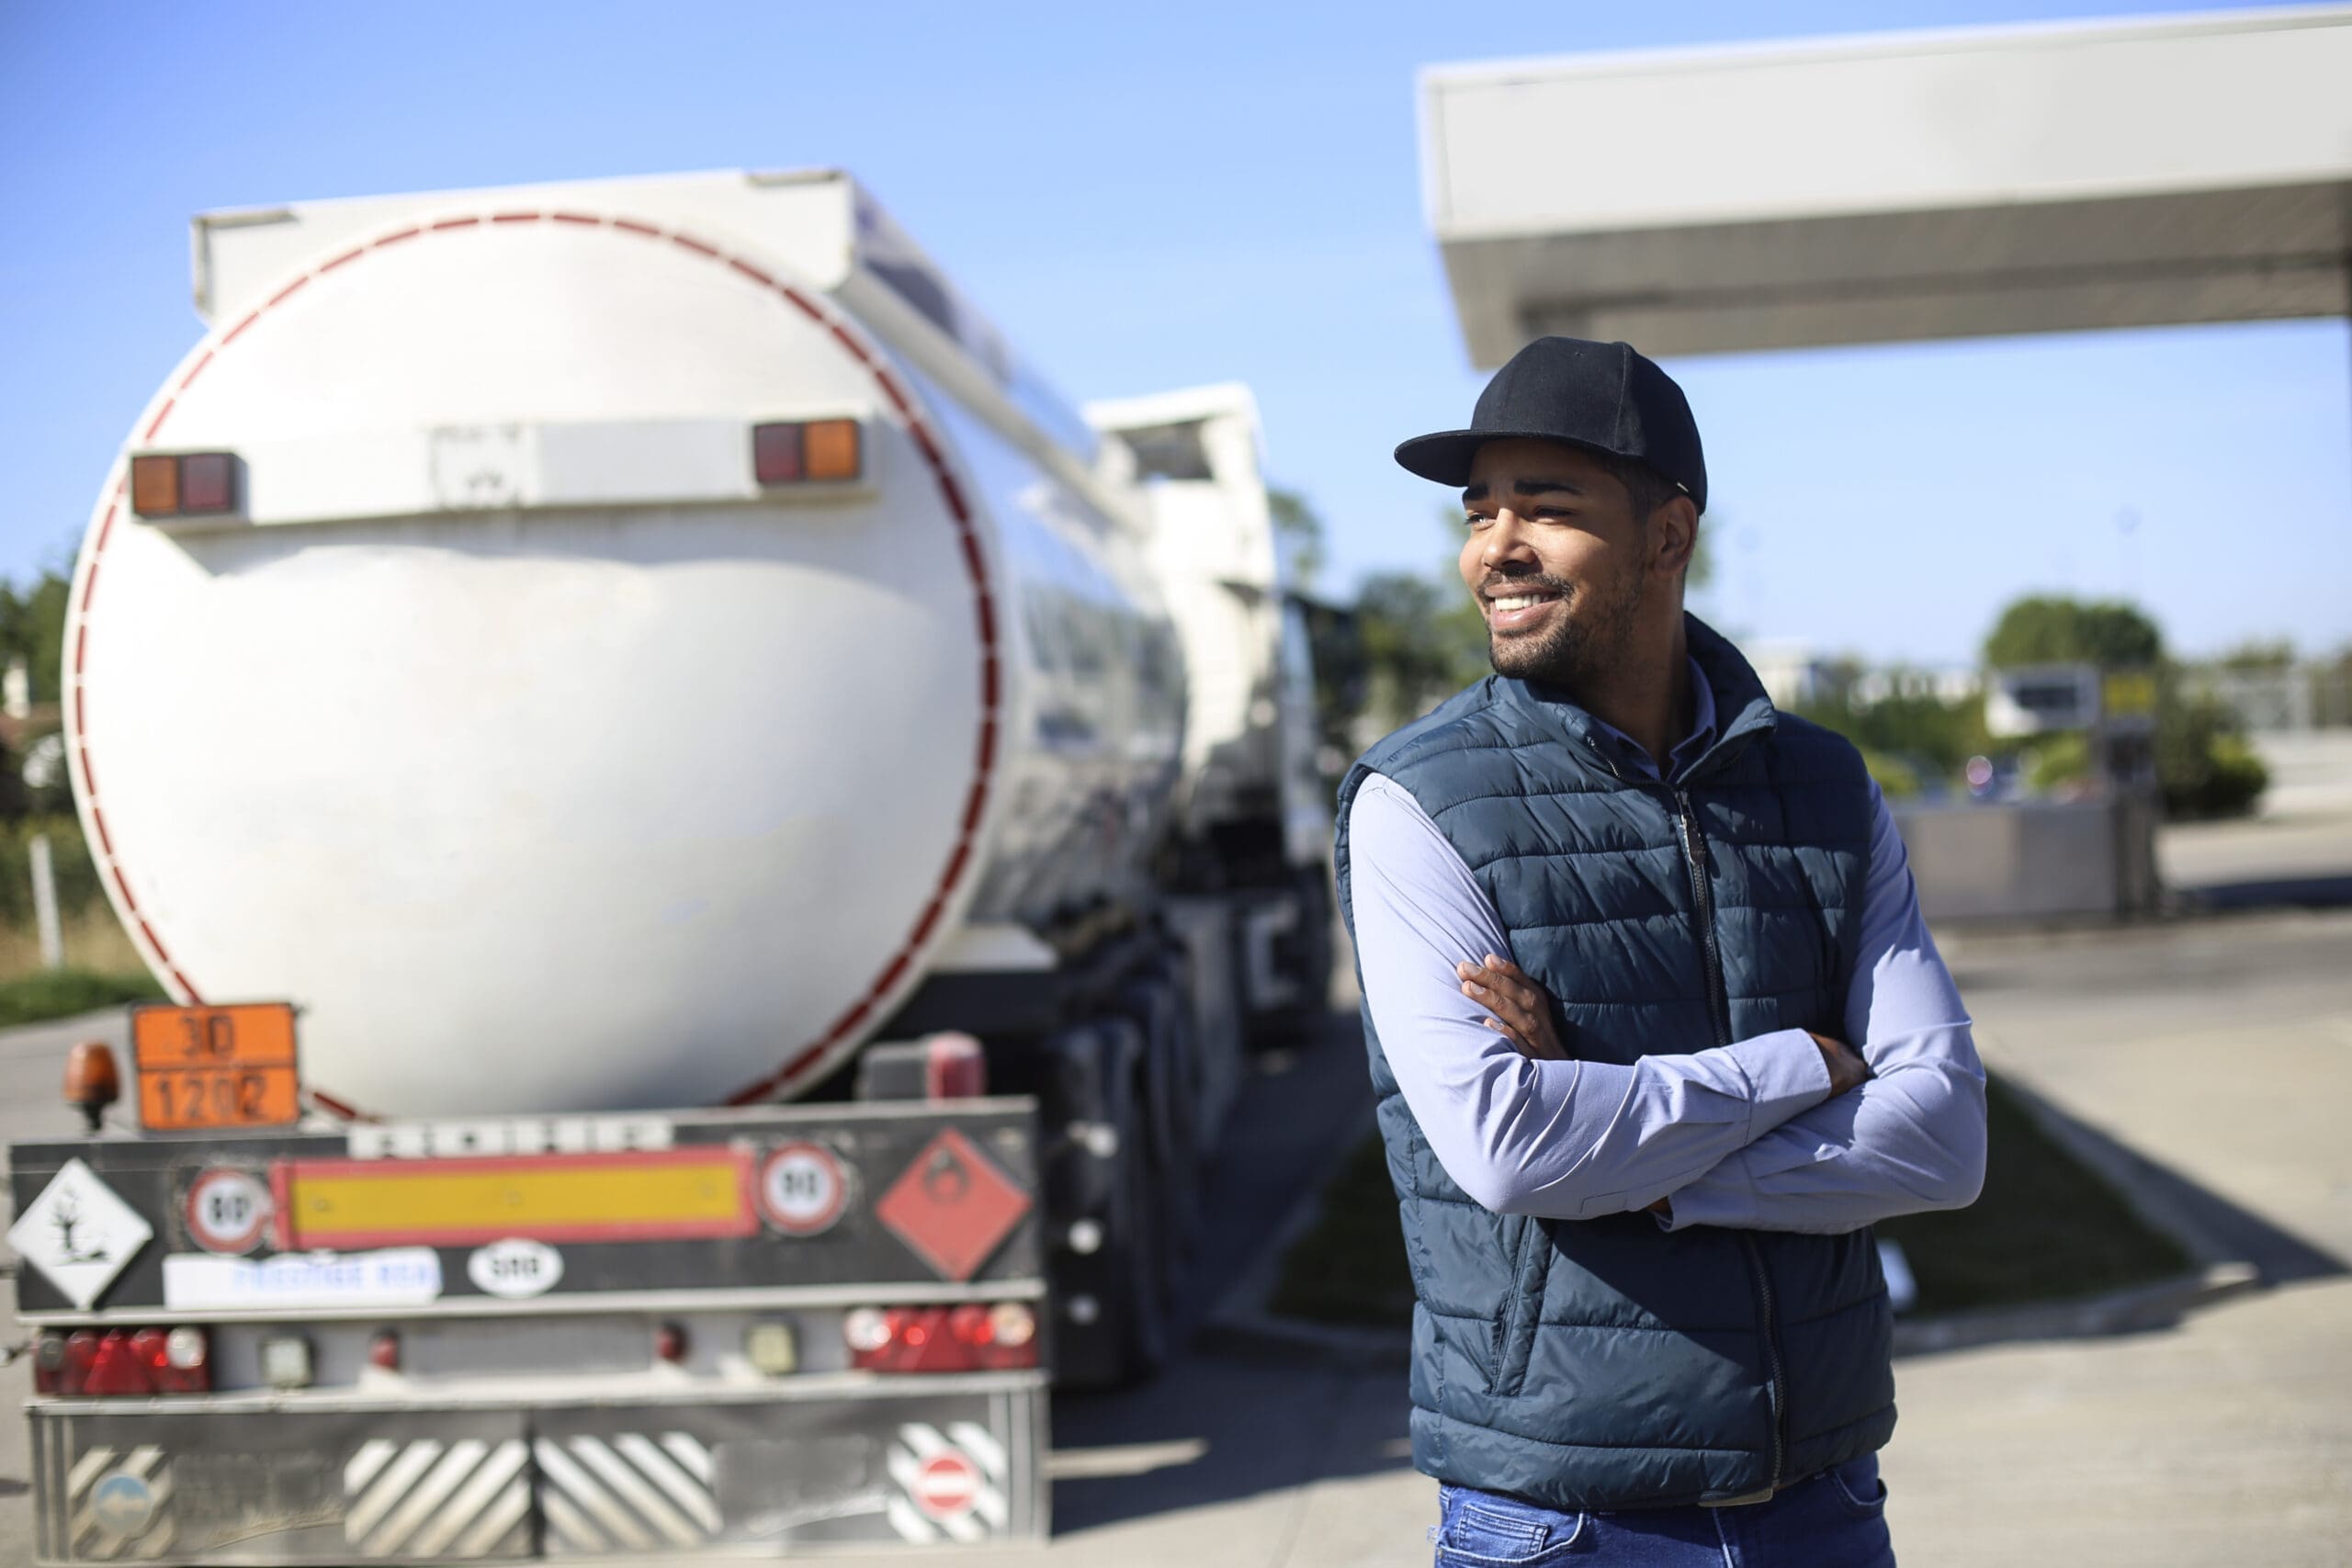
(1607, 1363)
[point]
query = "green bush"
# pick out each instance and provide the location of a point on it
(2058, 760)
(1897, 780)
(2204, 768)
(77, 878)
(61, 993)
(1909, 733)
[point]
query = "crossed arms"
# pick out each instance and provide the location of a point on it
(1755, 1134)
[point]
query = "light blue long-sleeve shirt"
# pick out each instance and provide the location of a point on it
(1745, 1136)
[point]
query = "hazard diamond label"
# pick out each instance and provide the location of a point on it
(953, 1206)
(79, 1233)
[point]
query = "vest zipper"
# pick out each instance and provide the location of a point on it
(1772, 1354)
(1703, 908)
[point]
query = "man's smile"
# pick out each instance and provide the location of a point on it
(1518, 607)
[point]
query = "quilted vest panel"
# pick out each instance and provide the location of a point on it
(1608, 1363)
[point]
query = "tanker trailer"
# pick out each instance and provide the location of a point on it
(555, 674)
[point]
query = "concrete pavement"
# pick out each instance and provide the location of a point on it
(2221, 1051)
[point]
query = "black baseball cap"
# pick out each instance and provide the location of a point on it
(1602, 396)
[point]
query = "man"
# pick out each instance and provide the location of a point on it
(1655, 1025)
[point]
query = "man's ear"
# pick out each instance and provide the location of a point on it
(1674, 536)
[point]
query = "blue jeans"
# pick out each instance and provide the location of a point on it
(1835, 1519)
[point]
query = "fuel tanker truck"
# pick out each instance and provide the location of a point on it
(712, 848)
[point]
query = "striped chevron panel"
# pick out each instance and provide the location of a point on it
(629, 1492)
(951, 1483)
(427, 1498)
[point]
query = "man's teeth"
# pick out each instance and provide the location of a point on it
(1517, 602)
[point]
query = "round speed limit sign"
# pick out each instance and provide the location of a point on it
(228, 1211)
(802, 1188)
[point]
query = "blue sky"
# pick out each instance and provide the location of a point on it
(1150, 197)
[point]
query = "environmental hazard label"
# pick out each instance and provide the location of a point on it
(79, 1233)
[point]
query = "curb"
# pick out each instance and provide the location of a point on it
(2134, 1309)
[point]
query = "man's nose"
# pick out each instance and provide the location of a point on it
(1505, 539)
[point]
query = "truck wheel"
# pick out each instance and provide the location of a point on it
(1156, 1003)
(1314, 953)
(1141, 1308)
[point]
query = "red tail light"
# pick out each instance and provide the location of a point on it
(116, 1370)
(953, 1067)
(968, 1338)
(123, 1363)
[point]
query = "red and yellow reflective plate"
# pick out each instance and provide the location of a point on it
(701, 1192)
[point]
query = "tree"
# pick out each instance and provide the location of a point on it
(2257, 657)
(2041, 629)
(1420, 643)
(32, 628)
(1298, 534)
(32, 624)
(1702, 570)
(1931, 737)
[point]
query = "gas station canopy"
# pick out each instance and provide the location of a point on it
(1917, 186)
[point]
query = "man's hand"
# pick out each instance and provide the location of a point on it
(1521, 1009)
(1846, 1066)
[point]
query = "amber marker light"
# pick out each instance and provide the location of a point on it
(156, 486)
(92, 1081)
(802, 451)
(832, 449)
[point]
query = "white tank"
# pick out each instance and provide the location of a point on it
(507, 726)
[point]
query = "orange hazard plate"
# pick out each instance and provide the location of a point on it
(207, 1068)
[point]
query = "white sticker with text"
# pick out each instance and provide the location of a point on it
(515, 1267)
(398, 1276)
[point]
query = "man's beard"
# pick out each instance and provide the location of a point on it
(1576, 648)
